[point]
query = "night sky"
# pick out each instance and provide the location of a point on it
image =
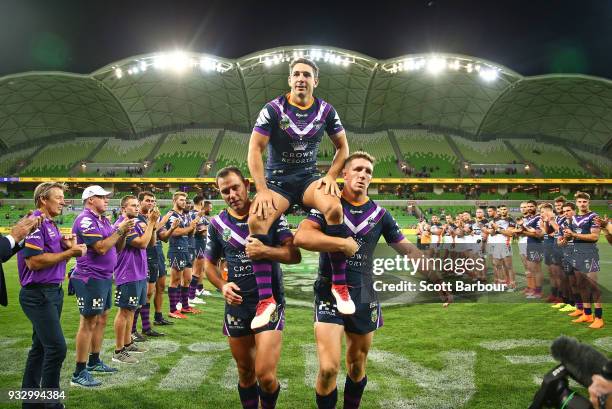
(531, 37)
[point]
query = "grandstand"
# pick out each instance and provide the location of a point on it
(233, 151)
(9, 161)
(120, 150)
(58, 159)
(553, 161)
(185, 151)
(379, 146)
(425, 150)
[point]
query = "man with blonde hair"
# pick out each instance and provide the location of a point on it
(42, 267)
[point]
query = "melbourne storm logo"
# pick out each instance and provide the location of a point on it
(227, 234)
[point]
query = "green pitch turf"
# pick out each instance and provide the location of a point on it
(471, 355)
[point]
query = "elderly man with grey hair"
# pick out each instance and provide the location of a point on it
(42, 267)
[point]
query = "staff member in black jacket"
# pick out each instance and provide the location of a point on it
(10, 245)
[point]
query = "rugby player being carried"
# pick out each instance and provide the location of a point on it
(256, 351)
(291, 127)
(367, 222)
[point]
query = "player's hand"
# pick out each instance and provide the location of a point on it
(78, 250)
(329, 184)
(25, 226)
(68, 241)
(166, 217)
(599, 387)
(255, 249)
(229, 293)
(154, 215)
(567, 234)
(193, 224)
(350, 247)
(264, 204)
(127, 225)
(175, 224)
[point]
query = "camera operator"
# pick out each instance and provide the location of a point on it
(600, 386)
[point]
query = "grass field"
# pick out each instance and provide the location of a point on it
(477, 355)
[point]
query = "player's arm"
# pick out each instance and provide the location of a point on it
(36, 259)
(404, 247)
(286, 253)
(592, 236)
(183, 231)
(309, 236)
(117, 239)
(141, 242)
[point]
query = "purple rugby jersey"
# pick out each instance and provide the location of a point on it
(46, 239)
(90, 228)
(131, 261)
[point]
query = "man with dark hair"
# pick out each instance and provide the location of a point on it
(42, 267)
(291, 127)
(131, 277)
(179, 257)
(92, 280)
(256, 351)
(367, 222)
(584, 232)
(531, 227)
(202, 209)
(156, 270)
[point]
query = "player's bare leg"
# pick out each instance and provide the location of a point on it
(268, 350)
(243, 351)
(329, 348)
(357, 347)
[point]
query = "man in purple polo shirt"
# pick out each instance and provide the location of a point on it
(92, 280)
(42, 267)
(131, 277)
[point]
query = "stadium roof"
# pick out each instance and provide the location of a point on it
(154, 91)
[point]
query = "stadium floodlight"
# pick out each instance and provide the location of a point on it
(161, 61)
(179, 61)
(118, 72)
(267, 62)
(477, 67)
(488, 75)
(346, 62)
(143, 66)
(469, 67)
(436, 64)
(338, 60)
(135, 70)
(455, 65)
(410, 64)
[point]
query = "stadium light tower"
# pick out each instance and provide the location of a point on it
(435, 65)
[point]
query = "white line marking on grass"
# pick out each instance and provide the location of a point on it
(8, 342)
(529, 359)
(311, 368)
(208, 346)
(188, 373)
(506, 344)
(449, 388)
(604, 343)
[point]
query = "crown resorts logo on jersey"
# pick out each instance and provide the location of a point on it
(299, 145)
(274, 316)
(227, 234)
(371, 221)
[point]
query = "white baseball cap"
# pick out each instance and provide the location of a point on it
(94, 190)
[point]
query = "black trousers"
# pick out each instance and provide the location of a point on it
(43, 306)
